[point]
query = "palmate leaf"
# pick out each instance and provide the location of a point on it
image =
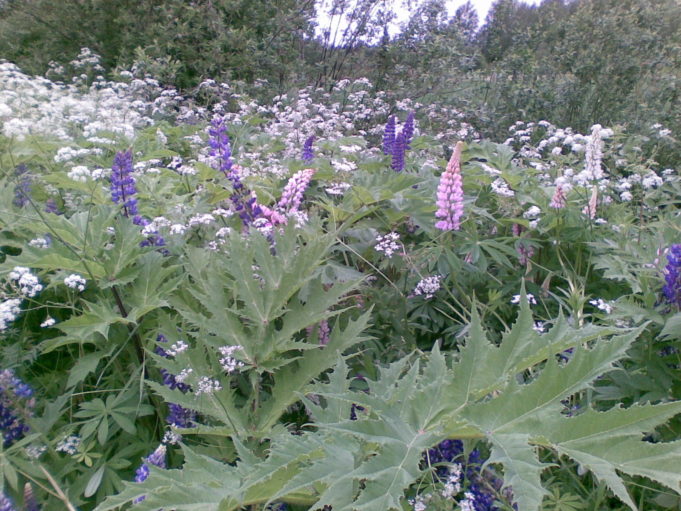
(507, 395)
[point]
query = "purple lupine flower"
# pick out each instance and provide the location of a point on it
(308, 152)
(123, 189)
(178, 416)
(398, 147)
(389, 135)
(408, 130)
(51, 207)
(244, 202)
(294, 190)
(16, 405)
(30, 502)
(450, 194)
(157, 458)
(6, 503)
(220, 149)
(672, 277)
(22, 191)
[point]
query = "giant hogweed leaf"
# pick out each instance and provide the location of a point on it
(412, 406)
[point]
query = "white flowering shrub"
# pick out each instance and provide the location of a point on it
(213, 312)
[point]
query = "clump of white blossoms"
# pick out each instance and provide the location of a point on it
(500, 187)
(207, 385)
(428, 286)
(601, 304)
(228, 362)
(49, 321)
(69, 444)
(9, 310)
(388, 244)
(530, 298)
(75, 281)
(177, 348)
(29, 285)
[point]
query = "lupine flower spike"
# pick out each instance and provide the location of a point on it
(558, 201)
(6, 503)
(450, 194)
(672, 277)
(157, 458)
(398, 153)
(16, 405)
(244, 203)
(408, 130)
(389, 135)
(293, 192)
(123, 188)
(219, 146)
(308, 151)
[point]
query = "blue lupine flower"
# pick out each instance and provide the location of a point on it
(672, 289)
(157, 458)
(244, 203)
(389, 135)
(51, 207)
(408, 130)
(16, 405)
(6, 503)
(219, 146)
(123, 189)
(22, 191)
(452, 451)
(178, 416)
(398, 153)
(308, 152)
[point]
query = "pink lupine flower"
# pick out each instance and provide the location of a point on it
(590, 209)
(558, 201)
(294, 189)
(450, 194)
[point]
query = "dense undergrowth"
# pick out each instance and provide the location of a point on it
(335, 299)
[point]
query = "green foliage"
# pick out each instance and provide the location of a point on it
(510, 395)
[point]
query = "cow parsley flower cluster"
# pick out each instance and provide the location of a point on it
(75, 281)
(9, 311)
(69, 444)
(28, 284)
(228, 361)
(388, 244)
(428, 286)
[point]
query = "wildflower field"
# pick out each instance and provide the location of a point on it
(337, 299)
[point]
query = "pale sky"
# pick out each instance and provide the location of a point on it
(482, 7)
